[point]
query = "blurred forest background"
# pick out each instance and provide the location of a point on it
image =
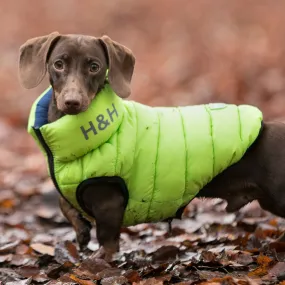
(187, 52)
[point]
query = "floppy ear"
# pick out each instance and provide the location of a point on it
(32, 60)
(121, 63)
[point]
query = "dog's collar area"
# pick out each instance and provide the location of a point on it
(70, 136)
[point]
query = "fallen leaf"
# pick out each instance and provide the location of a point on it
(27, 187)
(6, 258)
(164, 278)
(66, 279)
(46, 213)
(84, 274)
(165, 253)
(154, 270)
(55, 271)
(21, 282)
(43, 238)
(273, 222)
(8, 247)
(20, 260)
(94, 266)
(151, 281)
(16, 233)
(15, 219)
(278, 271)
(240, 257)
(138, 257)
(264, 260)
(132, 276)
(28, 271)
(227, 280)
(264, 231)
(9, 275)
(40, 277)
(118, 280)
(23, 249)
(258, 272)
(108, 272)
(66, 251)
(58, 282)
(43, 249)
(7, 199)
(277, 246)
(81, 281)
(208, 257)
(208, 275)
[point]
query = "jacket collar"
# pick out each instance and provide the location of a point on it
(73, 136)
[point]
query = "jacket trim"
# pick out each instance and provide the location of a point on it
(97, 180)
(49, 157)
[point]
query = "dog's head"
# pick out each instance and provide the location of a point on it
(77, 67)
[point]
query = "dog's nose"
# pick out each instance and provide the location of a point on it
(74, 104)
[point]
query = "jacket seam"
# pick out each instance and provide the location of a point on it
(240, 126)
(136, 136)
(155, 167)
(211, 134)
(137, 129)
(186, 155)
(117, 151)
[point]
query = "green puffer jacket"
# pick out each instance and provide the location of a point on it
(164, 155)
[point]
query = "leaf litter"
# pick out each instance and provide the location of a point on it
(209, 246)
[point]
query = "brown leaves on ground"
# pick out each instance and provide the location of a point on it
(208, 246)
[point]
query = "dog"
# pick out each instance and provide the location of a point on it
(77, 66)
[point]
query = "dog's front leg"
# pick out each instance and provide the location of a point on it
(81, 226)
(109, 217)
(107, 204)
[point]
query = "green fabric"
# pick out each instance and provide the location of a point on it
(165, 155)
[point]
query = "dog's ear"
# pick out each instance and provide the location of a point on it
(121, 63)
(32, 59)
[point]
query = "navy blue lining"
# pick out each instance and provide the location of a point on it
(41, 113)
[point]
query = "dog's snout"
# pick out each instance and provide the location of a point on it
(71, 103)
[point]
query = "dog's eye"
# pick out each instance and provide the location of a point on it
(58, 65)
(94, 67)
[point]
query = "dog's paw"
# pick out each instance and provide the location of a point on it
(83, 237)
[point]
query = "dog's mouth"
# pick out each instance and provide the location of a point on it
(73, 104)
(74, 111)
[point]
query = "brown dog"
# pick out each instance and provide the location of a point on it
(77, 67)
